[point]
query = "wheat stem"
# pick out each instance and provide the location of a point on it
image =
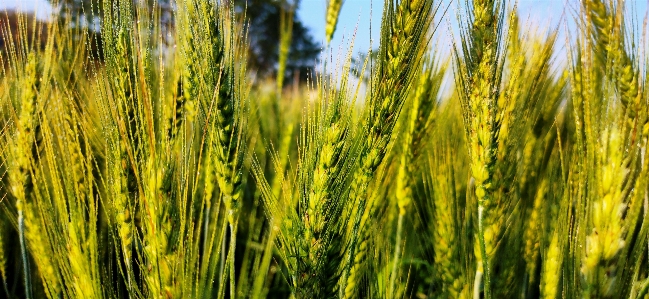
(23, 254)
(397, 255)
(3, 254)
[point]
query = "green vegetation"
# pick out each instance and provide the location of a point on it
(147, 162)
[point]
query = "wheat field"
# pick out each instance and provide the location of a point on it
(153, 163)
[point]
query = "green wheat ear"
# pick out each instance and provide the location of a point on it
(603, 70)
(309, 221)
(480, 71)
(333, 11)
(403, 40)
(445, 205)
(608, 37)
(553, 252)
(419, 118)
(286, 34)
(22, 159)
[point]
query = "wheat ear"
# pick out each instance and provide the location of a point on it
(333, 10)
(479, 84)
(403, 39)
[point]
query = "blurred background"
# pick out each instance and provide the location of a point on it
(308, 44)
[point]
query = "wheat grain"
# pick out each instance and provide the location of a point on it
(19, 176)
(532, 236)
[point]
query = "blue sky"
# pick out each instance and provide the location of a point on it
(355, 14)
(538, 16)
(42, 7)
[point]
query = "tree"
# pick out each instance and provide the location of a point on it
(9, 27)
(264, 20)
(263, 17)
(88, 13)
(79, 12)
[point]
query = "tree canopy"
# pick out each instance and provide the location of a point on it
(263, 17)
